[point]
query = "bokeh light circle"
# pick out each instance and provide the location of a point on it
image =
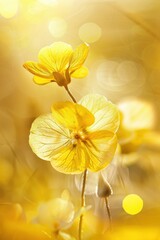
(132, 204)
(57, 27)
(9, 8)
(90, 32)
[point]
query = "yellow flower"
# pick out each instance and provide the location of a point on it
(137, 124)
(75, 136)
(57, 214)
(58, 63)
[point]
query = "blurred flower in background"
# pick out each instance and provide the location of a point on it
(137, 120)
(57, 215)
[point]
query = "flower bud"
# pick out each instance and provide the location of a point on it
(104, 189)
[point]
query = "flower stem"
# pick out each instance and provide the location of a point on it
(84, 180)
(82, 203)
(70, 94)
(108, 212)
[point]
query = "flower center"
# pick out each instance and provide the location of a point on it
(78, 137)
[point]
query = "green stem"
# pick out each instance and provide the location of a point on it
(82, 203)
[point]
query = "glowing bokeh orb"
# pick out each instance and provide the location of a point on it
(57, 27)
(8, 8)
(132, 204)
(90, 32)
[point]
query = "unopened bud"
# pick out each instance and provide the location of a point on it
(104, 189)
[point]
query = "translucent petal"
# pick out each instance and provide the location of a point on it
(101, 150)
(56, 57)
(106, 114)
(47, 137)
(95, 155)
(79, 56)
(80, 72)
(72, 116)
(38, 69)
(71, 159)
(91, 184)
(56, 218)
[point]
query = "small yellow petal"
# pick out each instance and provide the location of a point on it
(38, 69)
(80, 72)
(106, 113)
(56, 57)
(72, 115)
(42, 81)
(79, 56)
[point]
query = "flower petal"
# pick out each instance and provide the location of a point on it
(72, 115)
(47, 137)
(79, 56)
(56, 57)
(56, 218)
(106, 114)
(42, 81)
(71, 159)
(97, 155)
(80, 72)
(38, 69)
(51, 142)
(101, 151)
